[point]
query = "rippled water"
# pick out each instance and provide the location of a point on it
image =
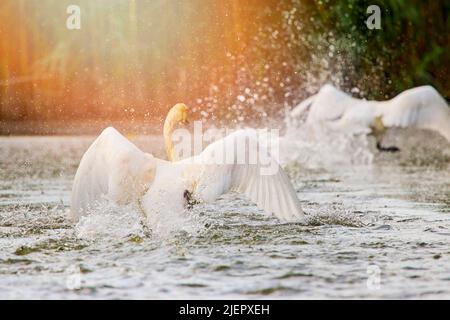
(386, 217)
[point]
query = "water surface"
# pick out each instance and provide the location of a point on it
(387, 219)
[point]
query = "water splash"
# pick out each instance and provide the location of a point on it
(108, 220)
(165, 225)
(315, 146)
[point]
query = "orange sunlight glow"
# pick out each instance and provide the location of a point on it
(130, 58)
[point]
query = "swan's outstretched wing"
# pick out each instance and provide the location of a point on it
(111, 167)
(420, 107)
(239, 163)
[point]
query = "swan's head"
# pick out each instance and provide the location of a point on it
(378, 125)
(178, 114)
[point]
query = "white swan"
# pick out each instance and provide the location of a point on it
(421, 107)
(116, 168)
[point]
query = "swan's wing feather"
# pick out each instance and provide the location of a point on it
(272, 193)
(112, 167)
(258, 176)
(330, 105)
(421, 107)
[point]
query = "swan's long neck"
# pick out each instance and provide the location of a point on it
(169, 125)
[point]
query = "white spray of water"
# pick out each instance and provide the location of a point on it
(316, 146)
(107, 220)
(166, 223)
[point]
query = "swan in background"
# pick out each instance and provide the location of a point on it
(421, 107)
(115, 168)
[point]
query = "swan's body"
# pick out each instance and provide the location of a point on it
(421, 107)
(115, 168)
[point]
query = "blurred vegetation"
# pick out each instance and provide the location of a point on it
(412, 48)
(229, 60)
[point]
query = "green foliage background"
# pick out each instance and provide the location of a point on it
(413, 47)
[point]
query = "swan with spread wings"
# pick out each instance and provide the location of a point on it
(421, 107)
(115, 168)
